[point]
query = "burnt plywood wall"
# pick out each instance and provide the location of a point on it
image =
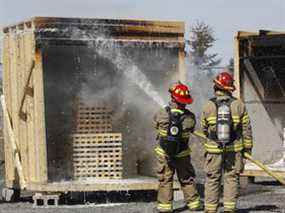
(262, 86)
(80, 73)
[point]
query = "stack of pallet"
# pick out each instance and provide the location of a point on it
(97, 152)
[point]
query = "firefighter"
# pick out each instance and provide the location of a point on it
(174, 124)
(226, 124)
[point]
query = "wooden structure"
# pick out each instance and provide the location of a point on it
(40, 81)
(260, 81)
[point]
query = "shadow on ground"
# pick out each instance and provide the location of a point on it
(76, 198)
(270, 208)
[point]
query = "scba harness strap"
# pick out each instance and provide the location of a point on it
(224, 133)
(173, 143)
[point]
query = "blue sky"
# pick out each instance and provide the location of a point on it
(225, 16)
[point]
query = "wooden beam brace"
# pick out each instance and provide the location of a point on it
(254, 78)
(13, 143)
(28, 91)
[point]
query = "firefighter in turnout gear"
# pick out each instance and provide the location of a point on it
(174, 124)
(226, 124)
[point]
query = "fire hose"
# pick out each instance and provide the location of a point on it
(256, 162)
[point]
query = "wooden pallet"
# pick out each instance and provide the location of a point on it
(97, 155)
(93, 119)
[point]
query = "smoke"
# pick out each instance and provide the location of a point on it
(201, 85)
(106, 48)
(131, 78)
(121, 61)
(132, 72)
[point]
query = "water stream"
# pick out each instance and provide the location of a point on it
(131, 71)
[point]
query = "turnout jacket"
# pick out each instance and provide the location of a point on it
(161, 123)
(241, 125)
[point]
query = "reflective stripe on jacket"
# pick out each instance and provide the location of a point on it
(159, 151)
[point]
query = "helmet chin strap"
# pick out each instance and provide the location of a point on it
(216, 88)
(178, 105)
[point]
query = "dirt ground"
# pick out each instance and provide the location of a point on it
(262, 196)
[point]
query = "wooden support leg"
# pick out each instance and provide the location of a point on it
(43, 200)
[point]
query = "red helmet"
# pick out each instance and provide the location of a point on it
(225, 81)
(180, 93)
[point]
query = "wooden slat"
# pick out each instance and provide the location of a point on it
(9, 167)
(97, 109)
(39, 119)
(95, 170)
(102, 176)
(98, 174)
(95, 149)
(105, 165)
(100, 137)
(98, 169)
(243, 34)
(93, 127)
(171, 24)
(100, 164)
(96, 155)
(115, 165)
(101, 145)
(136, 183)
(29, 54)
(129, 26)
(91, 159)
(22, 123)
(97, 131)
(14, 104)
(85, 143)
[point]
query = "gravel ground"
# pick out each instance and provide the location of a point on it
(258, 197)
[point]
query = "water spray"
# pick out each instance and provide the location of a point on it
(131, 71)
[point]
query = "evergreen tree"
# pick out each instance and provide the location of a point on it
(201, 40)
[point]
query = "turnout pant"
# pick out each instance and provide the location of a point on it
(230, 164)
(186, 176)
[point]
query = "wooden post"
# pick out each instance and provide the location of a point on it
(29, 58)
(21, 66)
(237, 76)
(39, 119)
(9, 168)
